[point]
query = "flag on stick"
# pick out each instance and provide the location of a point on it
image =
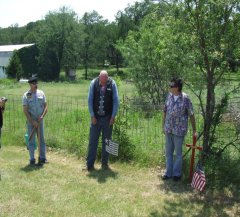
(199, 180)
(111, 147)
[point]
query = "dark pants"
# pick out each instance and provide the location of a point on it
(95, 130)
(0, 137)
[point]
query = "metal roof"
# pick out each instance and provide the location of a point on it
(7, 48)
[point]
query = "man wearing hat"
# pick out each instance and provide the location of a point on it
(3, 100)
(35, 108)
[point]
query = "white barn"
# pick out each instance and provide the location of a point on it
(6, 52)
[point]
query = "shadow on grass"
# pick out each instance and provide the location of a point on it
(102, 175)
(206, 205)
(29, 168)
(181, 186)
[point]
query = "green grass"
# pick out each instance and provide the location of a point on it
(61, 188)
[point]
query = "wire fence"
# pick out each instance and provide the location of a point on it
(67, 123)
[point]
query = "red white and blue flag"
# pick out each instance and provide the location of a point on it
(111, 147)
(199, 180)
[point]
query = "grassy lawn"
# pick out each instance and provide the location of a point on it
(61, 188)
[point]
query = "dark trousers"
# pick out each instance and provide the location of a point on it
(95, 130)
(0, 138)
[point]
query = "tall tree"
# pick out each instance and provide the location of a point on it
(95, 41)
(212, 30)
(131, 17)
(153, 54)
(55, 40)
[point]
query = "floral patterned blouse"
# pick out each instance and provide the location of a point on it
(177, 113)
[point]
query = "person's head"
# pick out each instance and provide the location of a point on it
(3, 100)
(103, 77)
(33, 83)
(176, 85)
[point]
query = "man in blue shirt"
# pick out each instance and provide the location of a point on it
(35, 108)
(103, 106)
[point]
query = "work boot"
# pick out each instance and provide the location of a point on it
(165, 177)
(32, 162)
(42, 161)
(105, 167)
(88, 168)
(176, 178)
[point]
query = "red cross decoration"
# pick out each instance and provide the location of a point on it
(193, 147)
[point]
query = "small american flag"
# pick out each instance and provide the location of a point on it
(198, 180)
(111, 147)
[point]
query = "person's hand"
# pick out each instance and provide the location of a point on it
(112, 121)
(35, 124)
(40, 118)
(94, 120)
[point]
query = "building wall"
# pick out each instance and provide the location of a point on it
(2, 72)
(4, 61)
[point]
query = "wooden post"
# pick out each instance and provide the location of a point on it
(193, 147)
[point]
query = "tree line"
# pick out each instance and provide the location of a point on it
(64, 41)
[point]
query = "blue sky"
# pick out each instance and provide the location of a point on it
(22, 12)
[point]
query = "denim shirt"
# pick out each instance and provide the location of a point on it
(35, 102)
(177, 113)
(115, 98)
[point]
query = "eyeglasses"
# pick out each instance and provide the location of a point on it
(34, 83)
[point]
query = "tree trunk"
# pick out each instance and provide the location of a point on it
(210, 105)
(86, 71)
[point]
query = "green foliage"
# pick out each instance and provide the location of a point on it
(126, 147)
(222, 172)
(58, 47)
(28, 59)
(15, 69)
(154, 56)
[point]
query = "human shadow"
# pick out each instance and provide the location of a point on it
(181, 186)
(30, 168)
(102, 175)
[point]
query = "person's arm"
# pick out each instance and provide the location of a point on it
(90, 102)
(115, 103)
(44, 113)
(2, 105)
(30, 120)
(45, 107)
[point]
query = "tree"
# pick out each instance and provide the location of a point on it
(154, 54)
(131, 17)
(194, 39)
(95, 40)
(58, 34)
(14, 68)
(212, 30)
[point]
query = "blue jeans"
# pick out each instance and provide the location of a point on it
(95, 130)
(173, 166)
(32, 142)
